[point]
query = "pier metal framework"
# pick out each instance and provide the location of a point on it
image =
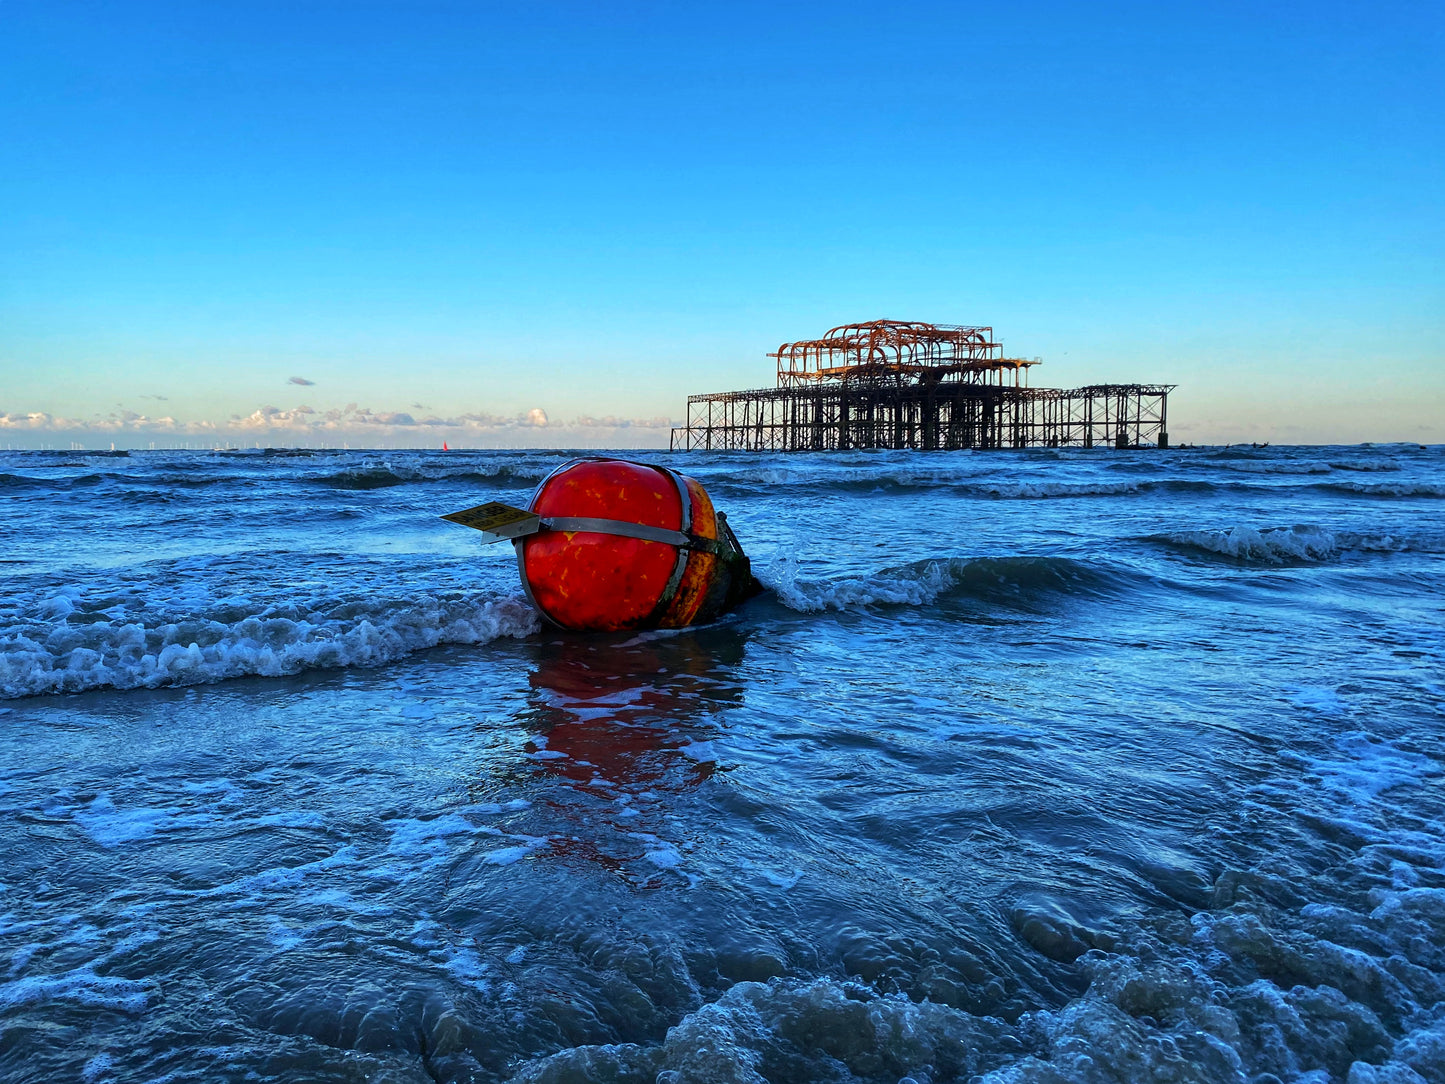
(906, 384)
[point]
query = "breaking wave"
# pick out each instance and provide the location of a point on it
(385, 475)
(1038, 490)
(1386, 489)
(1367, 466)
(873, 480)
(1252, 466)
(48, 653)
(1015, 581)
(84, 481)
(1292, 545)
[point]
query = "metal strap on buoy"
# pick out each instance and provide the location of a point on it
(633, 530)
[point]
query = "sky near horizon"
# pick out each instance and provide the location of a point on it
(540, 223)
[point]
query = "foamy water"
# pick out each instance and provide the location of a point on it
(1034, 767)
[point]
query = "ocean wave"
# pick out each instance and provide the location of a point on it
(873, 480)
(100, 478)
(1038, 490)
(20, 481)
(969, 480)
(1017, 580)
(1386, 489)
(1292, 545)
(1384, 466)
(1277, 466)
(71, 481)
(857, 479)
(359, 476)
(386, 475)
(48, 653)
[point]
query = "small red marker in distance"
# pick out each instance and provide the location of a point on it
(444, 447)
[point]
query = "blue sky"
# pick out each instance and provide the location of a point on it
(482, 211)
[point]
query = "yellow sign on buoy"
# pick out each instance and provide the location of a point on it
(497, 520)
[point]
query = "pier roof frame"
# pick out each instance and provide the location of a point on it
(899, 348)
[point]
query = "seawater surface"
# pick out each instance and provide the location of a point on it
(1029, 767)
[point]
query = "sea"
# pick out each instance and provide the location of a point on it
(1028, 767)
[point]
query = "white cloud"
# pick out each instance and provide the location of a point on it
(120, 421)
(354, 424)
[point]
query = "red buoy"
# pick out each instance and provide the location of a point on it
(608, 544)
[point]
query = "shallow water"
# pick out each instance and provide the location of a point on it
(1038, 766)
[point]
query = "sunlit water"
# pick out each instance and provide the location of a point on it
(1079, 766)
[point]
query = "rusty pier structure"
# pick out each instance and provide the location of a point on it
(908, 384)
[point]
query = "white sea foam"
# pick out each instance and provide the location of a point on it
(704, 752)
(505, 856)
(1324, 700)
(539, 750)
(1391, 489)
(425, 843)
(664, 857)
(1366, 466)
(53, 656)
(80, 986)
(864, 477)
(111, 827)
(428, 837)
(460, 961)
(1266, 466)
(284, 937)
(115, 824)
(1367, 767)
(1273, 546)
(1038, 490)
(1299, 544)
(967, 479)
(87, 984)
(463, 963)
(388, 472)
